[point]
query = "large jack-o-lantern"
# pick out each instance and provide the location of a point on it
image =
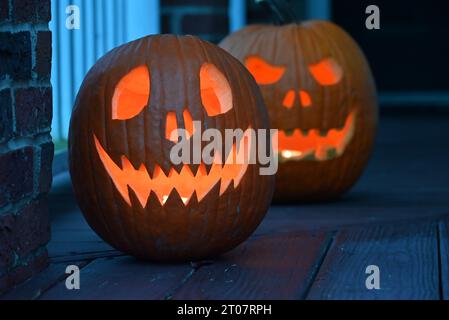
(121, 134)
(320, 95)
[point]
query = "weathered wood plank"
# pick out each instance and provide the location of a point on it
(123, 278)
(79, 245)
(70, 233)
(86, 256)
(444, 257)
(356, 209)
(34, 287)
(278, 266)
(407, 256)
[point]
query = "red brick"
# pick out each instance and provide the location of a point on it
(31, 11)
(33, 264)
(45, 175)
(43, 55)
(24, 112)
(16, 175)
(15, 55)
(198, 24)
(23, 232)
(4, 11)
(33, 108)
(5, 115)
(32, 227)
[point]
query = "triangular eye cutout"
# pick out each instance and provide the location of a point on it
(327, 72)
(131, 94)
(263, 72)
(216, 93)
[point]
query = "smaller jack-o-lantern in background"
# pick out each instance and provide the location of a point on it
(320, 95)
(129, 107)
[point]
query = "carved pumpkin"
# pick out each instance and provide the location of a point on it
(119, 147)
(321, 95)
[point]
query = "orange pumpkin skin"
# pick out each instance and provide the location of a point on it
(326, 85)
(108, 133)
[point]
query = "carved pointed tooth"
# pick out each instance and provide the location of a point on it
(141, 190)
(174, 199)
(123, 191)
(333, 132)
(143, 173)
(173, 172)
(201, 170)
(321, 153)
(185, 183)
(208, 168)
(224, 184)
(126, 164)
(340, 148)
(114, 171)
(314, 133)
(149, 166)
(163, 167)
(212, 195)
(178, 168)
(142, 168)
(297, 133)
(158, 172)
(194, 168)
(136, 201)
(154, 203)
(185, 200)
(186, 172)
(193, 202)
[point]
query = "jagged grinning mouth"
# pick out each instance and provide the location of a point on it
(183, 183)
(315, 146)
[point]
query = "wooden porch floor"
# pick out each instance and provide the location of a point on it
(397, 217)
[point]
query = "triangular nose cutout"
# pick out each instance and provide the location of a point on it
(304, 96)
(289, 99)
(171, 126)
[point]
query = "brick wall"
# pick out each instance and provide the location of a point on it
(207, 19)
(26, 150)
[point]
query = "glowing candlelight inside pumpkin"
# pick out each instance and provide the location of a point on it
(288, 154)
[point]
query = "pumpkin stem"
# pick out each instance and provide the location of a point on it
(281, 10)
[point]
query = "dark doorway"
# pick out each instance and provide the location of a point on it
(411, 50)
